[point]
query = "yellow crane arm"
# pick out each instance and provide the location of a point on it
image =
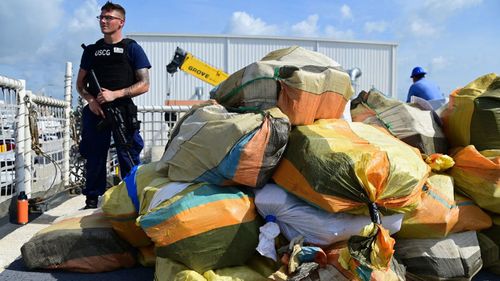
(188, 63)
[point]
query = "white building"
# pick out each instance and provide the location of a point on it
(376, 60)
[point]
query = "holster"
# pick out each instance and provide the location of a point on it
(127, 112)
(130, 117)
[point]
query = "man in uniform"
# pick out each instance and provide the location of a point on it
(122, 71)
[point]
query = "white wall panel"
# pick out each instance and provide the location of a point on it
(231, 53)
(244, 51)
(375, 62)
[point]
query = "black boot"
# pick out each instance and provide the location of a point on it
(91, 202)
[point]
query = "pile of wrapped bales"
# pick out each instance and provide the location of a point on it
(268, 182)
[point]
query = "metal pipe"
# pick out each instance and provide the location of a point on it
(28, 165)
(9, 83)
(67, 118)
(162, 108)
(20, 162)
(42, 100)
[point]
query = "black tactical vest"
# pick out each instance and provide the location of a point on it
(112, 65)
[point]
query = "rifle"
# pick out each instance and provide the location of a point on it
(114, 119)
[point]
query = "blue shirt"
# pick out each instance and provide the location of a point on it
(136, 54)
(425, 89)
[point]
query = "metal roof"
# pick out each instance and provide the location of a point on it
(321, 39)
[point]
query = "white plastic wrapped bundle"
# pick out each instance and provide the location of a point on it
(293, 216)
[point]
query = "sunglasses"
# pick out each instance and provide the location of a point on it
(107, 18)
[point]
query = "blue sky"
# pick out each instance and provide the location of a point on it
(454, 40)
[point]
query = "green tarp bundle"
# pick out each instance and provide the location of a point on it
(83, 244)
(304, 84)
(358, 168)
(340, 166)
(415, 126)
(210, 144)
(489, 241)
(256, 269)
(204, 226)
(485, 122)
(473, 114)
(123, 203)
(456, 257)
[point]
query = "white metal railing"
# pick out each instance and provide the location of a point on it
(156, 125)
(41, 136)
(34, 136)
(49, 137)
(9, 150)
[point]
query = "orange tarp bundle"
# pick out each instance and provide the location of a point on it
(477, 174)
(303, 107)
(439, 213)
(204, 226)
(470, 216)
(340, 166)
(120, 209)
(304, 84)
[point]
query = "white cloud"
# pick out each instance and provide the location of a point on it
(245, 24)
(82, 27)
(24, 25)
(439, 63)
(447, 7)
(307, 28)
(428, 19)
(50, 38)
(334, 33)
(375, 26)
(345, 12)
(421, 28)
(84, 17)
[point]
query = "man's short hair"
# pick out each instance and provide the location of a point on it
(110, 6)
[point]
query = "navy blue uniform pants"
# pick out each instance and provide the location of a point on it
(94, 148)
